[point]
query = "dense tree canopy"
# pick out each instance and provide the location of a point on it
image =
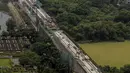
(29, 58)
(45, 56)
(50, 58)
(91, 20)
(108, 69)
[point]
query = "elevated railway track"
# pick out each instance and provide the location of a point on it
(52, 30)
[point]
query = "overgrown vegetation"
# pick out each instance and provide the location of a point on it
(108, 69)
(91, 20)
(45, 57)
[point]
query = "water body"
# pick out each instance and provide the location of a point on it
(3, 19)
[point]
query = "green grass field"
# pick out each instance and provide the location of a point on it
(109, 53)
(5, 62)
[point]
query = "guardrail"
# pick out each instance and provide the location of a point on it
(82, 50)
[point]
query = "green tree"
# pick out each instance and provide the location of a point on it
(29, 58)
(124, 16)
(126, 69)
(50, 57)
(71, 18)
(10, 25)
